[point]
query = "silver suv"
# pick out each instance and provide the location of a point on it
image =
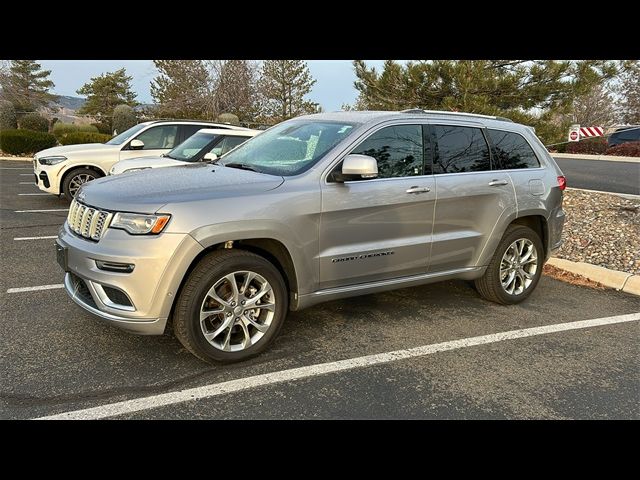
(316, 208)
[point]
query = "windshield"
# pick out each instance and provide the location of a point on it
(124, 136)
(188, 150)
(289, 148)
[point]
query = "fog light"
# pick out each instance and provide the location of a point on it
(115, 267)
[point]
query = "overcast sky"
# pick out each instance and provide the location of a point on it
(333, 88)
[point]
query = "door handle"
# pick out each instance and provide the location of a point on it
(495, 183)
(418, 190)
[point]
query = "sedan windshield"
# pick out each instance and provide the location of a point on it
(124, 136)
(289, 148)
(188, 151)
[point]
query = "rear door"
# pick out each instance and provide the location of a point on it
(472, 197)
(377, 229)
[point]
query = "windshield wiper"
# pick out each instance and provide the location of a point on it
(242, 166)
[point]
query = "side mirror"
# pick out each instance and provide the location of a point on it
(136, 144)
(210, 156)
(357, 167)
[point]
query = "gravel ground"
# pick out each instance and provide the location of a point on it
(602, 229)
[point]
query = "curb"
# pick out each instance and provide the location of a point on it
(606, 158)
(18, 159)
(621, 281)
(628, 196)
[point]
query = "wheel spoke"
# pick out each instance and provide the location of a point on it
(510, 280)
(212, 293)
(227, 338)
(204, 314)
(226, 324)
(531, 259)
(231, 278)
(246, 343)
(266, 288)
(271, 307)
(248, 320)
(526, 274)
(247, 280)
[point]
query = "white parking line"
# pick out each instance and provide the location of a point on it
(36, 238)
(207, 391)
(34, 194)
(28, 183)
(35, 289)
(50, 210)
(16, 168)
(27, 174)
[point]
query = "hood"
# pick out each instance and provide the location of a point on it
(140, 162)
(77, 149)
(148, 190)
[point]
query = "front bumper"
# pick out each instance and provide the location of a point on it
(149, 290)
(46, 177)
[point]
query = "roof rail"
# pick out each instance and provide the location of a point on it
(462, 114)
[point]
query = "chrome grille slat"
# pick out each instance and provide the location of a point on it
(86, 221)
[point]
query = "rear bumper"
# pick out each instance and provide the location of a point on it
(556, 225)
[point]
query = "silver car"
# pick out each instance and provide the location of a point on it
(317, 208)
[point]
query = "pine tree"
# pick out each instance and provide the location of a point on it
(105, 92)
(26, 85)
(182, 89)
(282, 86)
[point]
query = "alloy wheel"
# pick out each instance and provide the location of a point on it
(518, 266)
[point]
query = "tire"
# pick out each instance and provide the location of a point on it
(490, 285)
(215, 269)
(79, 174)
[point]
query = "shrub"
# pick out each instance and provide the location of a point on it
(34, 121)
(7, 116)
(61, 130)
(591, 146)
(75, 138)
(629, 149)
(123, 118)
(103, 128)
(18, 142)
(228, 118)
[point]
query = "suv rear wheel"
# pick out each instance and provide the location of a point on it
(231, 306)
(75, 179)
(515, 269)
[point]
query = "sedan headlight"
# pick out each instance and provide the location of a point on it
(139, 224)
(136, 169)
(51, 160)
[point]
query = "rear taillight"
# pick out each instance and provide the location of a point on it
(562, 182)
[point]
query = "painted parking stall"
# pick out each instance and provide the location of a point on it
(344, 359)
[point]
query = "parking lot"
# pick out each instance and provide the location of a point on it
(354, 358)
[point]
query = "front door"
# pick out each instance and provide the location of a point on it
(380, 228)
(472, 197)
(157, 140)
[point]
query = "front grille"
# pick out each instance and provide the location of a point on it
(86, 221)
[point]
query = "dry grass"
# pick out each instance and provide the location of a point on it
(572, 278)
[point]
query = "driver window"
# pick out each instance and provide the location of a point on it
(161, 137)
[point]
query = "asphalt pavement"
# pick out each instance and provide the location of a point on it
(55, 357)
(617, 177)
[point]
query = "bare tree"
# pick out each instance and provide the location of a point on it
(595, 108)
(629, 91)
(234, 87)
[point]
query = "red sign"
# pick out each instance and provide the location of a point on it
(573, 135)
(591, 131)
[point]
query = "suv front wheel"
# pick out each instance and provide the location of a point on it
(231, 306)
(515, 269)
(75, 179)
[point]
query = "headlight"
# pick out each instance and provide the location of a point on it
(138, 224)
(136, 169)
(112, 171)
(51, 160)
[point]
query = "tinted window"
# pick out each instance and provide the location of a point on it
(189, 130)
(631, 134)
(190, 149)
(398, 150)
(121, 138)
(460, 149)
(163, 136)
(512, 150)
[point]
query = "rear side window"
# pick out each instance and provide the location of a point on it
(628, 135)
(397, 149)
(459, 149)
(511, 150)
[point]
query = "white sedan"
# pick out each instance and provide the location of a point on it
(205, 145)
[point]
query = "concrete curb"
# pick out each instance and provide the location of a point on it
(19, 159)
(627, 196)
(606, 158)
(626, 282)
